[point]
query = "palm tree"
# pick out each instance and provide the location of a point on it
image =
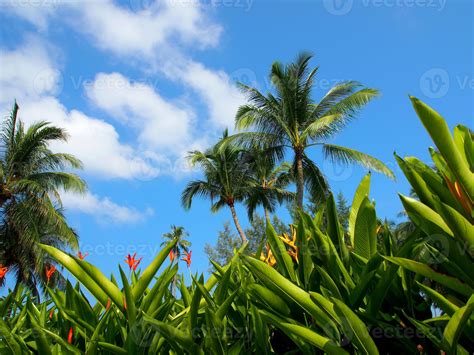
(267, 183)
(31, 178)
(179, 234)
(290, 118)
(226, 179)
(182, 245)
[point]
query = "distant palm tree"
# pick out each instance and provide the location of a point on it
(267, 183)
(182, 245)
(179, 234)
(226, 179)
(31, 178)
(289, 118)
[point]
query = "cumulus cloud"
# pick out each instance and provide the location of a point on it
(28, 70)
(124, 31)
(215, 88)
(31, 76)
(156, 38)
(103, 209)
(161, 124)
(92, 140)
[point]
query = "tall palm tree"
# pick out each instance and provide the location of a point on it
(182, 245)
(267, 183)
(290, 118)
(31, 178)
(226, 179)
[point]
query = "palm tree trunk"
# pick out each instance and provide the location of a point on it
(267, 216)
(237, 224)
(299, 178)
(173, 286)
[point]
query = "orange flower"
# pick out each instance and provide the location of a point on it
(3, 271)
(107, 306)
(269, 259)
(82, 256)
(51, 314)
(132, 262)
(50, 271)
(187, 258)
(172, 255)
(69, 336)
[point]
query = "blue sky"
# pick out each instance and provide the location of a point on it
(138, 83)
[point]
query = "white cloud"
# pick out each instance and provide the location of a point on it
(161, 124)
(28, 71)
(94, 141)
(149, 36)
(36, 12)
(123, 31)
(215, 88)
(103, 209)
(31, 76)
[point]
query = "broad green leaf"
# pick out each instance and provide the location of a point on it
(428, 272)
(151, 270)
(365, 236)
(284, 261)
(9, 338)
(289, 291)
(129, 301)
(273, 301)
(430, 221)
(224, 306)
(305, 334)
(174, 335)
(354, 328)
(442, 302)
(334, 229)
(76, 270)
(305, 263)
(114, 349)
(439, 132)
(461, 227)
(362, 192)
(457, 324)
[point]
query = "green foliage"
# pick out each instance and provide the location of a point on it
(31, 179)
(311, 291)
(288, 117)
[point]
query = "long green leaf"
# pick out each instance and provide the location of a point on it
(362, 192)
(305, 334)
(439, 132)
(428, 272)
(151, 270)
(354, 328)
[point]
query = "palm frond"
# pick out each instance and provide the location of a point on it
(346, 155)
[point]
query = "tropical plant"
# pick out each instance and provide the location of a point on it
(226, 179)
(267, 183)
(444, 213)
(178, 234)
(289, 118)
(31, 179)
(312, 290)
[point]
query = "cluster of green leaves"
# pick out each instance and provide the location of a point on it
(344, 291)
(31, 179)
